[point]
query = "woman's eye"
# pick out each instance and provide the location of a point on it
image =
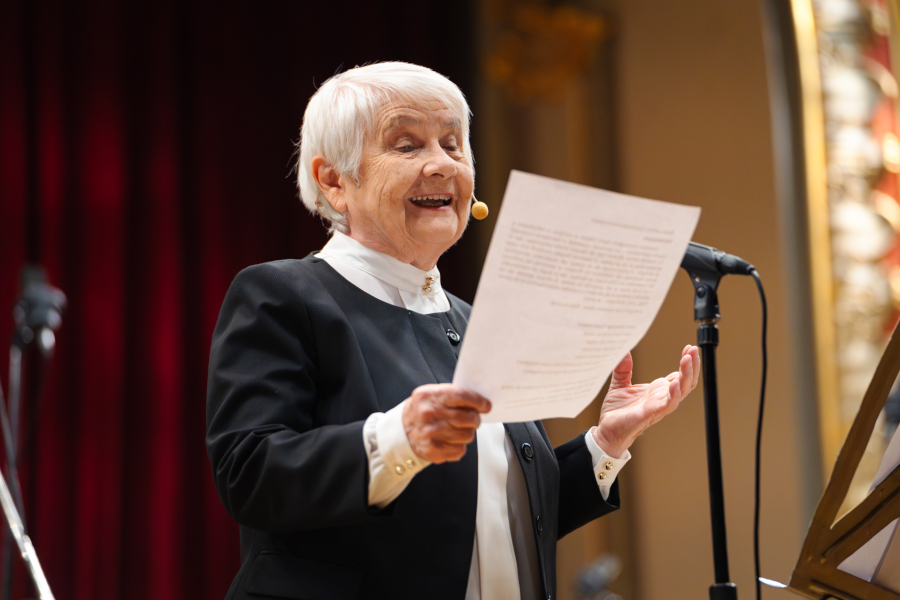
(451, 148)
(407, 148)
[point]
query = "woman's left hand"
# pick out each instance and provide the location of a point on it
(629, 409)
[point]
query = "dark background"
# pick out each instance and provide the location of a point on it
(146, 152)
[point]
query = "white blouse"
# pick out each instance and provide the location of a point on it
(504, 541)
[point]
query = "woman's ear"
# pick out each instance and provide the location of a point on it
(330, 183)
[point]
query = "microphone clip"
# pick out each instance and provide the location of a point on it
(701, 265)
(706, 301)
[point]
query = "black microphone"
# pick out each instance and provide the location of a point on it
(38, 313)
(706, 258)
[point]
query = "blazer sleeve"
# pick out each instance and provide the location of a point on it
(580, 501)
(275, 469)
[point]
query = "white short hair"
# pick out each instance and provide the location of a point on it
(344, 110)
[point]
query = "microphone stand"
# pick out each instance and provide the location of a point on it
(24, 542)
(705, 278)
(37, 314)
(17, 529)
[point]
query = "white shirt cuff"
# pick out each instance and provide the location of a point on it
(606, 468)
(392, 462)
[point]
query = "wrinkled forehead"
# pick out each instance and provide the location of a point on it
(395, 121)
(404, 112)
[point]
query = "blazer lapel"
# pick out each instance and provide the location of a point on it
(532, 468)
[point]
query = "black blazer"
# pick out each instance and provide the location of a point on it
(300, 358)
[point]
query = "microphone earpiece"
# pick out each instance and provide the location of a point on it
(479, 209)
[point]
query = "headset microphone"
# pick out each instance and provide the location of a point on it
(479, 209)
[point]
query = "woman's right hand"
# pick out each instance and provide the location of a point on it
(440, 420)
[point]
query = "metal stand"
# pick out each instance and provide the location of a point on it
(23, 542)
(9, 440)
(705, 278)
(37, 315)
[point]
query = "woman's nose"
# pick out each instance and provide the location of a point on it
(438, 163)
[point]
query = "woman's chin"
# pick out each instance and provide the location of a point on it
(444, 230)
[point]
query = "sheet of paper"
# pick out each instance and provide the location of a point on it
(573, 279)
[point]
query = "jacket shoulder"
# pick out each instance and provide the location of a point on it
(277, 270)
(295, 276)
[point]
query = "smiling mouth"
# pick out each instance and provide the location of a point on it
(432, 201)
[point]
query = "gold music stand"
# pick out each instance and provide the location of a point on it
(830, 540)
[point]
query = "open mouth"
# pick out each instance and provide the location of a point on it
(432, 201)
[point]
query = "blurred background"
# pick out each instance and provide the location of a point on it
(146, 155)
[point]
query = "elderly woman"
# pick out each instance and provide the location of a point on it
(353, 467)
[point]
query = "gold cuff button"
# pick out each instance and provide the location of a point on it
(601, 475)
(410, 463)
(609, 466)
(398, 469)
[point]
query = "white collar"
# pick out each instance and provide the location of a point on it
(404, 277)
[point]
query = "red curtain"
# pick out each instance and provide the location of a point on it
(162, 144)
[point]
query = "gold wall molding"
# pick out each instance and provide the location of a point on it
(818, 233)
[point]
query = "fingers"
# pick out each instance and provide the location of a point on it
(675, 396)
(444, 432)
(686, 376)
(460, 418)
(454, 396)
(470, 400)
(621, 375)
(695, 361)
(691, 353)
(670, 401)
(682, 382)
(685, 380)
(446, 452)
(441, 419)
(438, 451)
(640, 406)
(438, 411)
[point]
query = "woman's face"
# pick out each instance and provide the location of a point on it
(415, 183)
